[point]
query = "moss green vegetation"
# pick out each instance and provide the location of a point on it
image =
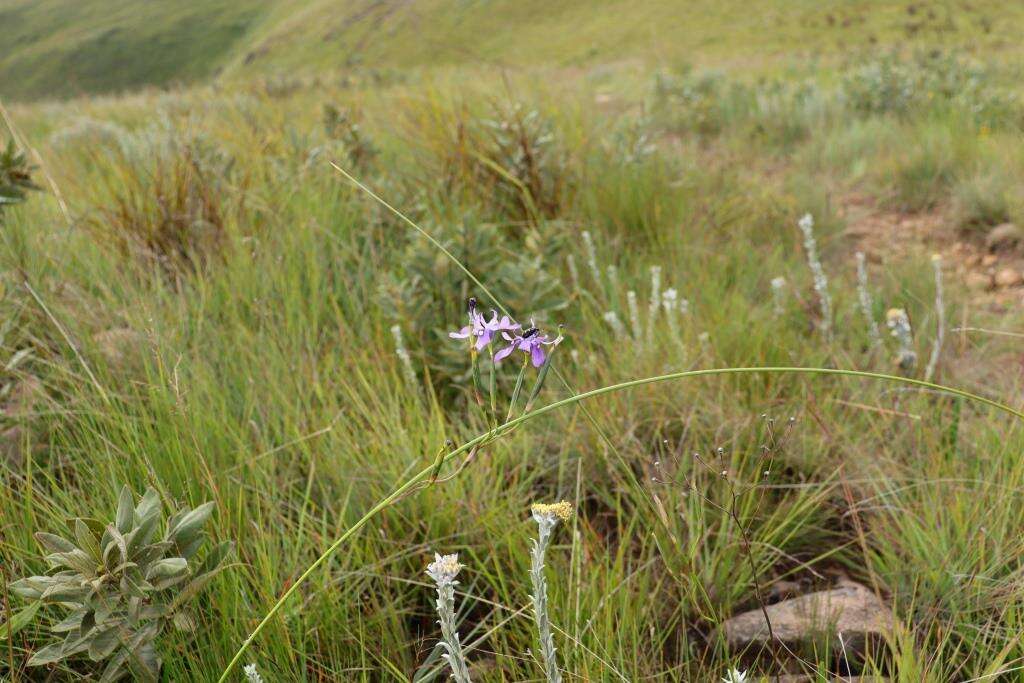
(211, 310)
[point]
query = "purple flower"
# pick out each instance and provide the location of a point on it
(482, 329)
(531, 342)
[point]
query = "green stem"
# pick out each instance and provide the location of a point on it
(493, 387)
(519, 388)
(511, 424)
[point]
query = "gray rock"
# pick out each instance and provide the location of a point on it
(849, 609)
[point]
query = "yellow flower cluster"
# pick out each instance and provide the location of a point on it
(561, 510)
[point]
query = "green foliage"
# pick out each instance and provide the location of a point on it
(420, 294)
(15, 175)
(340, 125)
(168, 201)
(121, 584)
(62, 48)
(272, 379)
(509, 159)
(931, 79)
(777, 112)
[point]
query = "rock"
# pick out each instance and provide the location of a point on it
(1008, 277)
(849, 609)
(1004, 237)
(989, 260)
(978, 281)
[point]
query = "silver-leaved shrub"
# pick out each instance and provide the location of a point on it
(122, 584)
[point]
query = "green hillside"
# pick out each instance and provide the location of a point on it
(530, 32)
(60, 48)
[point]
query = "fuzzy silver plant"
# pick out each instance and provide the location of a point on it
(547, 517)
(123, 583)
(806, 224)
(655, 302)
(634, 315)
(252, 674)
(778, 296)
(612, 318)
(403, 356)
(735, 676)
(574, 274)
(443, 571)
(940, 317)
(588, 245)
(899, 325)
(864, 298)
(674, 306)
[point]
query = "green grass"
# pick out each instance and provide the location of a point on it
(57, 49)
(213, 319)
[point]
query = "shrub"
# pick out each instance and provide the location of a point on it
(932, 79)
(340, 125)
(518, 273)
(15, 175)
(510, 160)
(121, 587)
(167, 202)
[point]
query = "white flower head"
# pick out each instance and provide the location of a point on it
(806, 224)
(444, 569)
(735, 676)
(670, 299)
(251, 674)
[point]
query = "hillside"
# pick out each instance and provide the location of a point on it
(61, 48)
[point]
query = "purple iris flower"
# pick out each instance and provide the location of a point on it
(482, 329)
(531, 342)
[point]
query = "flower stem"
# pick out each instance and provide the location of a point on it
(540, 602)
(493, 388)
(518, 388)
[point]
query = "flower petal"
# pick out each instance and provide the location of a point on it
(483, 340)
(503, 353)
(461, 334)
(537, 355)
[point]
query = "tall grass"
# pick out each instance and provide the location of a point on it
(268, 382)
